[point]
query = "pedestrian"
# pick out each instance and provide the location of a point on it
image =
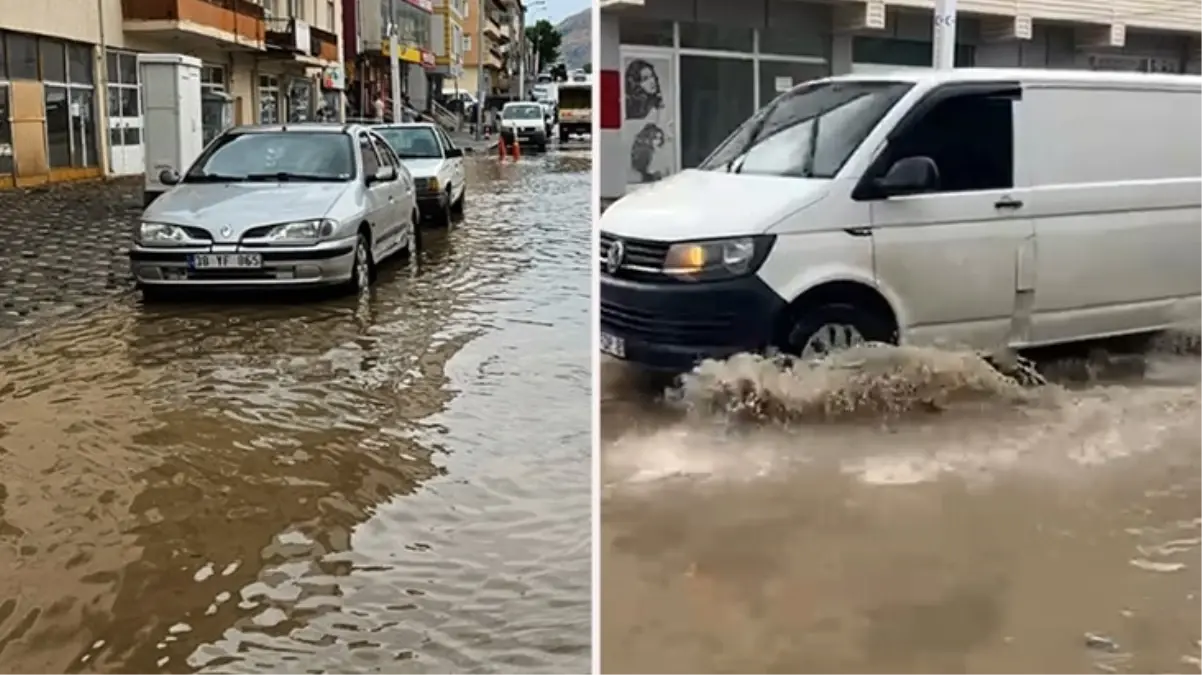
(378, 108)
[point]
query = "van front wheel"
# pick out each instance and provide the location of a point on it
(821, 330)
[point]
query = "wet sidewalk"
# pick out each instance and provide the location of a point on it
(62, 248)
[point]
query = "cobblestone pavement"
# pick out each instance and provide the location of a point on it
(62, 247)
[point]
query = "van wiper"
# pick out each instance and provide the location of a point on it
(807, 167)
(752, 138)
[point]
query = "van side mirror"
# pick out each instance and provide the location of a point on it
(909, 176)
(169, 177)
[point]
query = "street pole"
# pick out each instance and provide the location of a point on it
(943, 52)
(521, 52)
(478, 43)
(394, 61)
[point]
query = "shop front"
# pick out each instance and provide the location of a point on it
(49, 123)
(677, 76)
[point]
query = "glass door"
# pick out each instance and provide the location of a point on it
(126, 155)
(6, 135)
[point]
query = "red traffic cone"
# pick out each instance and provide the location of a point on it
(501, 146)
(517, 148)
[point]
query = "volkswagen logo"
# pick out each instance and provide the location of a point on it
(226, 231)
(614, 256)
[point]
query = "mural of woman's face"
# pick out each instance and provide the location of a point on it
(647, 81)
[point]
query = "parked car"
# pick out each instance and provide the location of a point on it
(524, 121)
(436, 165)
(977, 208)
(301, 205)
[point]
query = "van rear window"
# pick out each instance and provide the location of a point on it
(808, 132)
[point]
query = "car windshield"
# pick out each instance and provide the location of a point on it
(523, 112)
(412, 142)
(280, 155)
(809, 132)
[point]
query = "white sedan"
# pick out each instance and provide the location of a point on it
(436, 164)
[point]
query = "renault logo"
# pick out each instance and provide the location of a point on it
(614, 256)
(226, 231)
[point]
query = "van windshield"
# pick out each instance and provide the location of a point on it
(808, 132)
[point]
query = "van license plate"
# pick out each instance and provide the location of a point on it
(226, 261)
(613, 345)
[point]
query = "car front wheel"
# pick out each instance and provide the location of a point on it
(361, 267)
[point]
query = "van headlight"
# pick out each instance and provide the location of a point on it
(161, 234)
(717, 258)
(305, 230)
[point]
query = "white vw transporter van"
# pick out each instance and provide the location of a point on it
(977, 208)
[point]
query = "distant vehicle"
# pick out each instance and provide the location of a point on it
(436, 165)
(302, 205)
(544, 78)
(458, 101)
(526, 122)
(575, 109)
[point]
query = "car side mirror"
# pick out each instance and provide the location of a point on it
(909, 176)
(169, 177)
(454, 152)
(383, 174)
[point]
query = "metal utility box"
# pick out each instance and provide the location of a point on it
(173, 128)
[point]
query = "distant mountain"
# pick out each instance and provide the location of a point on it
(577, 32)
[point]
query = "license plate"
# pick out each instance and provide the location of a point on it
(613, 345)
(226, 261)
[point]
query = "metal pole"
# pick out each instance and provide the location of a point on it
(521, 52)
(478, 43)
(394, 61)
(943, 52)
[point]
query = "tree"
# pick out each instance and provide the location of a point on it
(544, 40)
(588, 68)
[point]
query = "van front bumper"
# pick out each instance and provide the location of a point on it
(672, 326)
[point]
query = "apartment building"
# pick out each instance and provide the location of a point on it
(367, 27)
(447, 41)
(704, 66)
(487, 65)
(70, 97)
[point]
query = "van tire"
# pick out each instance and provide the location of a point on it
(809, 321)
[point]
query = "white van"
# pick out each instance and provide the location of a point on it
(976, 207)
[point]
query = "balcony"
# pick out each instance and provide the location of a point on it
(295, 39)
(198, 23)
(492, 28)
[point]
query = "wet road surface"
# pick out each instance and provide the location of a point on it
(393, 483)
(926, 517)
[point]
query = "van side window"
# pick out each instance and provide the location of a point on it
(970, 138)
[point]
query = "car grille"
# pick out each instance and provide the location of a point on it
(198, 233)
(666, 329)
(642, 260)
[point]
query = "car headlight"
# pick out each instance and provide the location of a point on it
(305, 230)
(427, 184)
(159, 233)
(716, 258)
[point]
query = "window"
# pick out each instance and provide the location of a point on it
(54, 60)
(300, 100)
(778, 77)
(385, 153)
(331, 19)
(412, 142)
(269, 100)
(371, 162)
(58, 126)
(212, 78)
(22, 56)
(969, 136)
(3, 58)
(6, 133)
(79, 64)
(716, 96)
(467, 43)
(297, 8)
(809, 132)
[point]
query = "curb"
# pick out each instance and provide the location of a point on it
(39, 326)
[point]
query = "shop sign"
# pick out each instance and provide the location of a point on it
(423, 57)
(332, 77)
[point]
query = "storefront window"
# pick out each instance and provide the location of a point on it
(649, 32)
(716, 95)
(777, 77)
(22, 52)
(54, 60)
(79, 64)
(412, 24)
(712, 36)
(6, 133)
(269, 100)
(300, 100)
(70, 108)
(84, 150)
(796, 29)
(58, 126)
(888, 51)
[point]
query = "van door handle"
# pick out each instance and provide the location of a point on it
(1008, 203)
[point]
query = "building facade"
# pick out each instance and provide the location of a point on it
(371, 76)
(488, 42)
(677, 76)
(450, 17)
(70, 96)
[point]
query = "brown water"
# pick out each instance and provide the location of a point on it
(904, 511)
(396, 483)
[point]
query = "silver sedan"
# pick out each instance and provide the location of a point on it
(302, 205)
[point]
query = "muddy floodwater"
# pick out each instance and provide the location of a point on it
(909, 511)
(393, 483)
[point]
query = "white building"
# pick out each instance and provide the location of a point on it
(677, 76)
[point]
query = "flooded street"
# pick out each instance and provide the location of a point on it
(393, 483)
(913, 512)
